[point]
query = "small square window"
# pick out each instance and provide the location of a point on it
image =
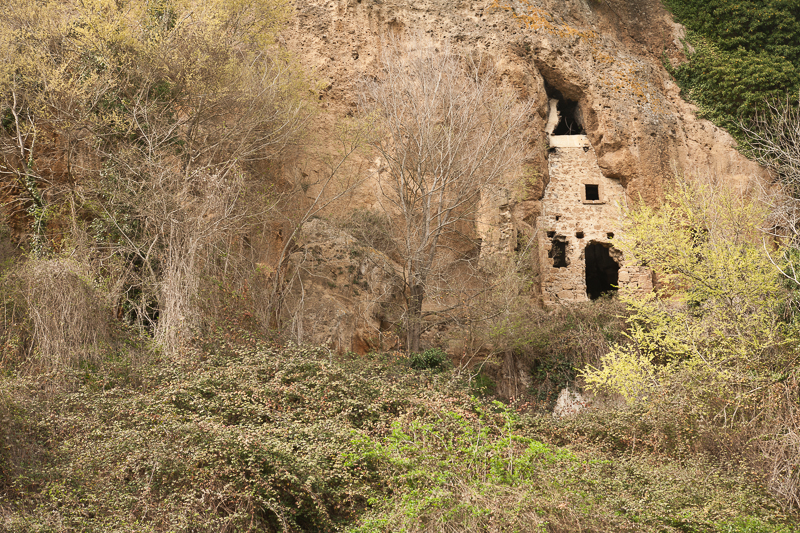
(592, 193)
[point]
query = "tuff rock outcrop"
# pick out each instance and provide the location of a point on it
(343, 294)
(605, 56)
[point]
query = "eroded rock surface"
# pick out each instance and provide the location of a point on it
(343, 294)
(602, 58)
(606, 56)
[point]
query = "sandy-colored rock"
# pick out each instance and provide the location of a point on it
(343, 294)
(604, 55)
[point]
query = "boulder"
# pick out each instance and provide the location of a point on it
(343, 294)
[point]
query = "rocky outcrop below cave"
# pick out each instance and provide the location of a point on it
(343, 294)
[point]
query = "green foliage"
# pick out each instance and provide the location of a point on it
(710, 355)
(488, 469)
(744, 53)
(716, 326)
(553, 346)
(248, 437)
(483, 385)
(429, 460)
(431, 359)
(23, 432)
(768, 25)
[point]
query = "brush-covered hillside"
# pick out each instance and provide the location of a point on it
(277, 267)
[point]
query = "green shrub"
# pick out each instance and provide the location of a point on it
(483, 385)
(744, 52)
(238, 437)
(23, 434)
(431, 359)
(245, 437)
(488, 469)
(553, 346)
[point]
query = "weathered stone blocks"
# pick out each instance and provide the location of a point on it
(580, 207)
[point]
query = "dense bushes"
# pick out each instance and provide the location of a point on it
(142, 138)
(742, 53)
(431, 359)
(552, 346)
(237, 438)
(712, 354)
(54, 316)
(245, 437)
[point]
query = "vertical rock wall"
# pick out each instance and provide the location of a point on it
(605, 56)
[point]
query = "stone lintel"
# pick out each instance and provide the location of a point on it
(569, 141)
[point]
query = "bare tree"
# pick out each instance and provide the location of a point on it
(447, 133)
(774, 139)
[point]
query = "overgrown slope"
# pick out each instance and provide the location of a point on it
(742, 53)
(245, 437)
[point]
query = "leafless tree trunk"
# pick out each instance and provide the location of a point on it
(446, 133)
(774, 138)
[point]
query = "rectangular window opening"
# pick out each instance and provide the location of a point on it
(558, 252)
(592, 193)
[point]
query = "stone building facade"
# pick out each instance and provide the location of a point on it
(580, 217)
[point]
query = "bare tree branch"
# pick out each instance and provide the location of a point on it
(447, 134)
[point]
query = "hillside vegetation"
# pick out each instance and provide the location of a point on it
(148, 378)
(742, 54)
(241, 436)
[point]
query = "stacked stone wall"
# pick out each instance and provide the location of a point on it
(572, 219)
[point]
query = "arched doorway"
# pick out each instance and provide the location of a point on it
(602, 271)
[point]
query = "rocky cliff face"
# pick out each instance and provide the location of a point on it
(606, 55)
(602, 59)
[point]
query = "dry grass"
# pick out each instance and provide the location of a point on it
(54, 316)
(778, 450)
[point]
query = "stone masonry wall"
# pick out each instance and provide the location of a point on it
(570, 218)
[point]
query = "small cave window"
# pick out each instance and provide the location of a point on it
(569, 122)
(592, 192)
(558, 251)
(565, 115)
(602, 270)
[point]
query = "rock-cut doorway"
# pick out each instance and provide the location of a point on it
(602, 271)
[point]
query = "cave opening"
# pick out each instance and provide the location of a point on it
(602, 271)
(568, 123)
(569, 115)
